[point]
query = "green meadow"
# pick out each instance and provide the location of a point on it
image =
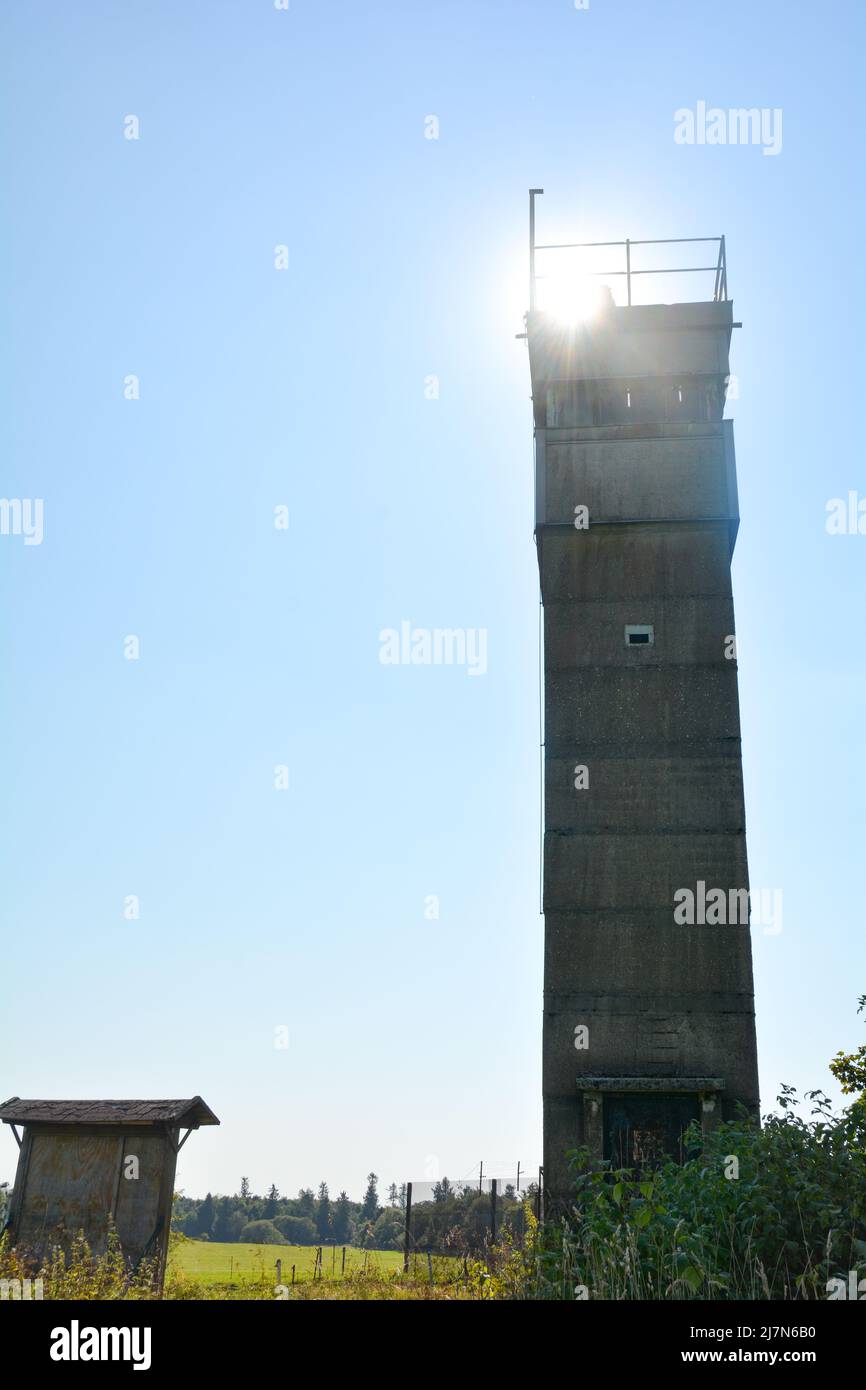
(214, 1263)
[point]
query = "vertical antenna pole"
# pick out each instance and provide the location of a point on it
(533, 193)
(628, 268)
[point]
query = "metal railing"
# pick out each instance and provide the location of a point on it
(720, 268)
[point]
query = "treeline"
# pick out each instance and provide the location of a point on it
(459, 1220)
(454, 1218)
(311, 1218)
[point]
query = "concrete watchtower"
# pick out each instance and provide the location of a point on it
(648, 1022)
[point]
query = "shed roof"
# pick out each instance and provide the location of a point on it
(186, 1113)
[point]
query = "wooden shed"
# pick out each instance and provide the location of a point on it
(84, 1163)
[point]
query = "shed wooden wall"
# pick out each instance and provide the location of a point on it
(73, 1179)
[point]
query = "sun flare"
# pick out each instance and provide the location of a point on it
(575, 299)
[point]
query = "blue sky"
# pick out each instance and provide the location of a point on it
(413, 1043)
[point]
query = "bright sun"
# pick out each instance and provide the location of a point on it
(575, 299)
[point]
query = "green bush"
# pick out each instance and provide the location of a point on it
(389, 1230)
(757, 1212)
(296, 1230)
(261, 1233)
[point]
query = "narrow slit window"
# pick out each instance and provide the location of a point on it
(639, 635)
(628, 400)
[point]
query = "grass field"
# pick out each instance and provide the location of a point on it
(213, 1263)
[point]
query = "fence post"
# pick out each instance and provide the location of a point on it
(407, 1234)
(279, 1271)
(493, 1186)
(293, 1276)
(343, 1266)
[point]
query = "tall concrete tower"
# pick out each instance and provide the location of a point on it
(648, 1018)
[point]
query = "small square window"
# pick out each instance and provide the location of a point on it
(639, 635)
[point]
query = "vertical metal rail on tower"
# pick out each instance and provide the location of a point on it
(533, 194)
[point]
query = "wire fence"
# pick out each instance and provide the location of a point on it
(463, 1219)
(429, 1229)
(284, 1264)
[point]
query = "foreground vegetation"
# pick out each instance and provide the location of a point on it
(776, 1212)
(80, 1275)
(771, 1212)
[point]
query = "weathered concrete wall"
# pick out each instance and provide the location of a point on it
(641, 1036)
(684, 792)
(650, 704)
(602, 958)
(646, 479)
(636, 562)
(591, 632)
(661, 340)
(617, 870)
